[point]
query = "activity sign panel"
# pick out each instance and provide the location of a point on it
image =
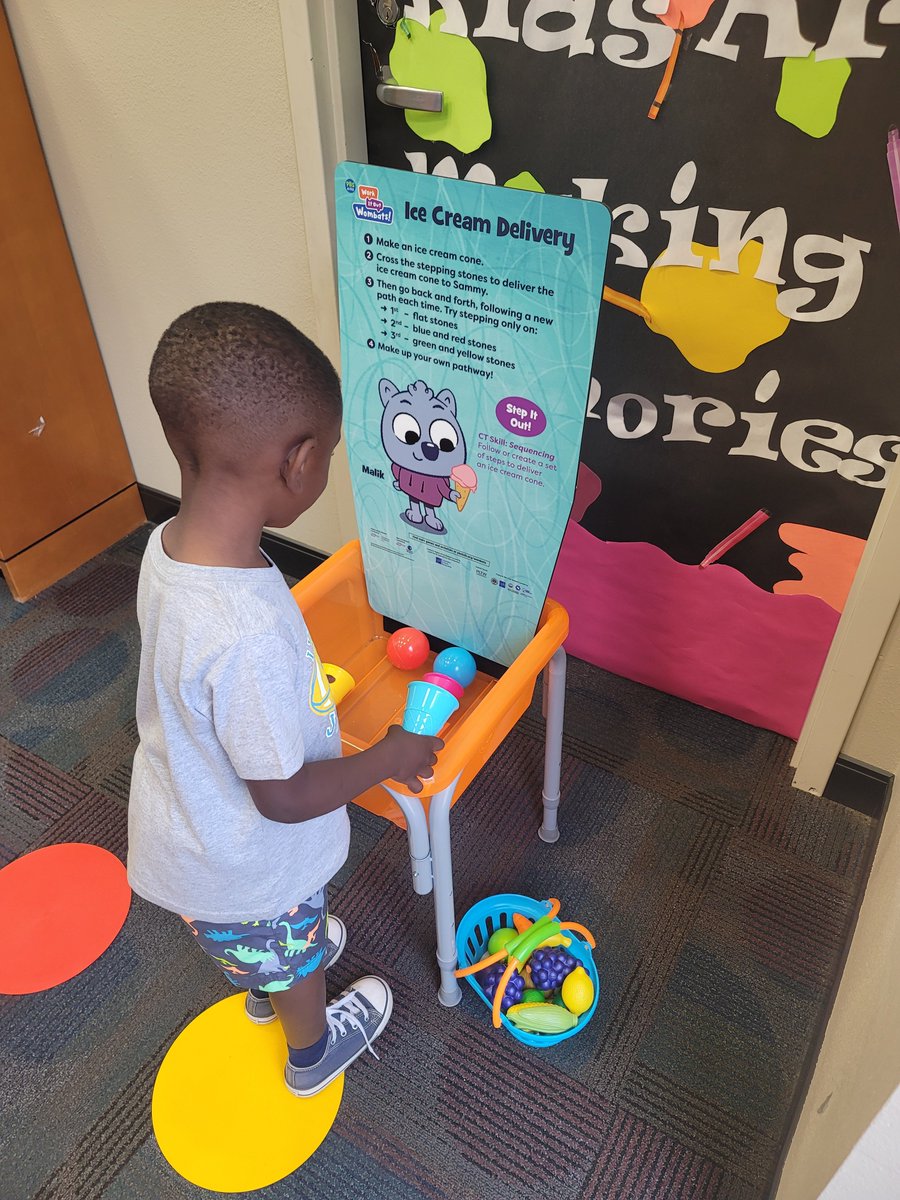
(468, 321)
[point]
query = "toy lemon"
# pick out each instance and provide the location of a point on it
(578, 991)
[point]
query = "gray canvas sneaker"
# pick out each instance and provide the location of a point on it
(353, 1022)
(259, 1008)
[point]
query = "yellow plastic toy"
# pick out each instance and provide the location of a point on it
(577, 991)
(341, 682)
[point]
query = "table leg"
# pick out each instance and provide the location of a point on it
(419, 842)
(554, 699)
(449, 992)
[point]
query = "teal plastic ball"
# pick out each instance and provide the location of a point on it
(457, 663)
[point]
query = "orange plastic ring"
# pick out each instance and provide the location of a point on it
(586, 933)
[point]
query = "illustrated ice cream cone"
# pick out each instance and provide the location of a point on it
(464, 481)
(428, 708)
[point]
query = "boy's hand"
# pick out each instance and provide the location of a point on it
(410, 756)
(321, 787)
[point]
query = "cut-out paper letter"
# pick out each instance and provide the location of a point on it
(847, 271)
(783, 36)
(848, 31)
(621, 48)
(455, 23)
(496, 22)
(574, 35)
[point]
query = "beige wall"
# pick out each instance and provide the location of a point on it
(874, 735)
(167, 128)
(859, 1065)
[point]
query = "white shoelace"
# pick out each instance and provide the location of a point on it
(341, 1014)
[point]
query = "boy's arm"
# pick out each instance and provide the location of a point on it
(321, 787)
(255, 708)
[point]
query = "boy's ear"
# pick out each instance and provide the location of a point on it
(296, 462)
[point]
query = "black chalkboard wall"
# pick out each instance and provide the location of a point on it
(822, 399)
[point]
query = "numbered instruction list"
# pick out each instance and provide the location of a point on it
(468, 319)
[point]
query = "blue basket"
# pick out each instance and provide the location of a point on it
(496, 912)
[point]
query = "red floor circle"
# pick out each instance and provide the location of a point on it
(60, 908)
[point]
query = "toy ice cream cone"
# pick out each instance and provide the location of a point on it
(428, 708)
(464, 482)
(453, 686)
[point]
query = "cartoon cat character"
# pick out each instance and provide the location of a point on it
(423, 439)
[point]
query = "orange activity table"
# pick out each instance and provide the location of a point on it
(350, 634)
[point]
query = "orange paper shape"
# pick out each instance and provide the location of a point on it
(827, 563)
(60, 908)
(666, 81)
(686, 13)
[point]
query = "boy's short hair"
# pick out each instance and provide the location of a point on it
(227, 368)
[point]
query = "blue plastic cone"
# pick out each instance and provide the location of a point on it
(428, 708)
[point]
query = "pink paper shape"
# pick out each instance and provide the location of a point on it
(709, 636)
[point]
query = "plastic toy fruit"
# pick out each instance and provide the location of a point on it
(533, 996)
(499, 938)
(577, 991)
(549, 968)
(514, 989)
(525, 961)
(542, 1018)
(407, 649)
(557, 939)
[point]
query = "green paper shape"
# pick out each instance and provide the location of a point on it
(810, 93)
(446, 63)
(525, 182)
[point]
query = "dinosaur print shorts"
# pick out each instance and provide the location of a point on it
(270, 955)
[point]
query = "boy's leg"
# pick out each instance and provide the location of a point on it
(301, 1010)
(258, 1004)
(352, 1023)
(322, 1042)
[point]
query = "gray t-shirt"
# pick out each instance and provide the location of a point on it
(230, 688)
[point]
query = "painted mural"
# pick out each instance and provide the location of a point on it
(743, 409)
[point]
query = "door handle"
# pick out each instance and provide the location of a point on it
(395, 95)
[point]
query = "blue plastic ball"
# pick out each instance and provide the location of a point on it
(457, 663)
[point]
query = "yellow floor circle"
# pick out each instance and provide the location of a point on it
(221, 1114)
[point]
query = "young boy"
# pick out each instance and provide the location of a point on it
(237, 816)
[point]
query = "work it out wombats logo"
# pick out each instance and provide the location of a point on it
(370, 208)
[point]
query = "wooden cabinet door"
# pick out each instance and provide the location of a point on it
(50, 366)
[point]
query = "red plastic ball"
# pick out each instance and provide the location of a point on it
(407, 649)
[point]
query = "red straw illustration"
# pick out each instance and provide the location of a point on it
(739, 534)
